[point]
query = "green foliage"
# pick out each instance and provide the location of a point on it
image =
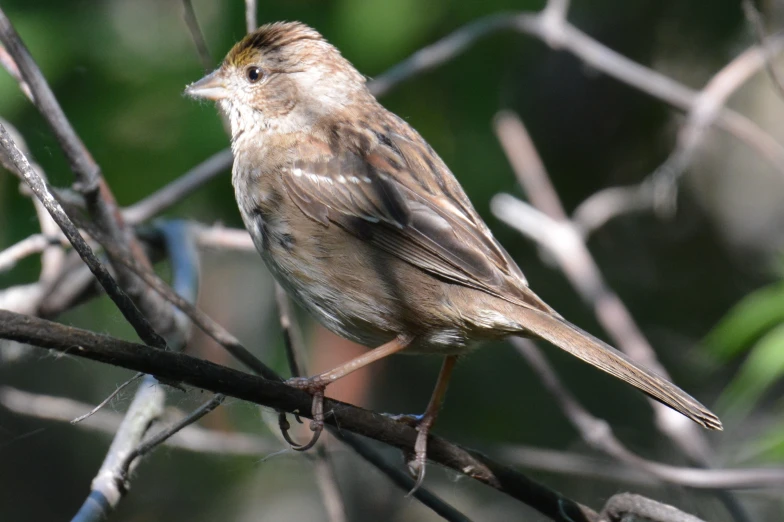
(769, 447)
(753, 329)
(763, 366)
(754, 316)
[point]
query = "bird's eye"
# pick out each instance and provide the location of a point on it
(253, 74)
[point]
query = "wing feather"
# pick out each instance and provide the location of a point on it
(436, 230)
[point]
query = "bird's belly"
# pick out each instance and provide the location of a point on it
(328, 287)
(349, 316)
(358, 292)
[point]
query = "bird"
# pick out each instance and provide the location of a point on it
(367, 229)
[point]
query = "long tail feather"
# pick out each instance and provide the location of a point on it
(593, 351)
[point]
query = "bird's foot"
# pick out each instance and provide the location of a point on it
(315, 387)
(417, 462)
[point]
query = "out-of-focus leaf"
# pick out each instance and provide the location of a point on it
(378, 30)
(769, 447)
(746, 322)
(764, 366)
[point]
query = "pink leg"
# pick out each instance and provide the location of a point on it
(315, 385)
(417, 466)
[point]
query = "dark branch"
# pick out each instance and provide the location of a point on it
(177, 367)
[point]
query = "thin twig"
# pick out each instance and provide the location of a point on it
(327, 483)
(221, 237)
(208, 325)
(29, 246)
(564, 36)
(193, 438)
(164, 198)
(574, 464)
(400, 478)
(292, 339)
(106, 491)
(197, 35)
(9, 65)
(556, 233)
(706, 109)
(606, 204)
(326, 478)
(99, 199)
(113, 290)
(162, 436)
(106, 401)
(250, 16)
(125, 449)
(758, 25)
(599, 435)
(626, 506)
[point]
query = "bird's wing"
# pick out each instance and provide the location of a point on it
(399, 195)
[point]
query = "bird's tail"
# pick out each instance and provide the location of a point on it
(593, 351)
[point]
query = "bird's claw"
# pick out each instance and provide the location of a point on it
(316, 389)
(416, 465)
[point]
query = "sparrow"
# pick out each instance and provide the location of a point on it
(366, 228)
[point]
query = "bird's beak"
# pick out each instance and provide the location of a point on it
(211, 87)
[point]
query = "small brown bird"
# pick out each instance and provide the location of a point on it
(366, 228)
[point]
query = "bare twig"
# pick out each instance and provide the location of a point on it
(328, 485)
(554, 232)
(576, 465)
(224, 238)
(106, 490)
(9, 65)
(292, 338)
(758, 24)
(179, 189)
(250, 16)
(599, 435)
(29, 246)
(53, 256)
(326, 478)
(199, 318)
(197, 35)
(556, 9)
(706, 109)
(39, 188)
(625, 505)
(106, 401)
(126, 450)
(192, 438)
(606, 204)
(559, 34)
(162, 436)
(99, 199)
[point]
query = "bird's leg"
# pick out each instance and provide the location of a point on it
(315, 385)
(426, 421)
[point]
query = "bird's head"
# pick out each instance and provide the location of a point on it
(283, 77)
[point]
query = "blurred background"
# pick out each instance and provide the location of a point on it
(704, 284)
